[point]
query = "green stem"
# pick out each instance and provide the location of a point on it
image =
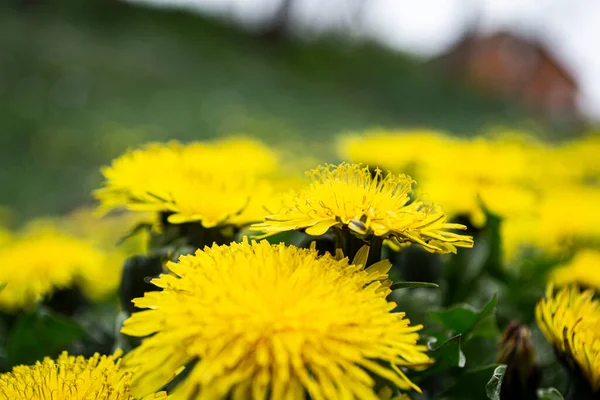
(351, 244)
(579, 388)
(375, 250)
(198, 236)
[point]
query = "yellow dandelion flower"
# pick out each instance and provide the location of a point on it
(98, 280)
(69, 377)
(399, 150)
(271, 321)
(570, 214)
(570, 321)
(576, 160)
(36, 263)
(349, 196)
(520, 235)
(215, 183)
(583, 269)
(507, 201)
(250, 155)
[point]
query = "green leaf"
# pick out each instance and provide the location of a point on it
(40, 334)
(411, 285)
(549, 394)
(447, 356)
(2, 286)
(463, 319)
(473, 384)
(494, 385)
(494, 264)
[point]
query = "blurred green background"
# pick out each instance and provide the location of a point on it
(81, 81)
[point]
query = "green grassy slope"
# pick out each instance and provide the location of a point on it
(82, 81)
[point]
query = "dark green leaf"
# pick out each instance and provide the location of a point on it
(549, 394)
(494, 263)
(135, 279)
(472, 385)
(406, 285)
(447, 356)
(40, 334)
(463, 270)
(465, 320)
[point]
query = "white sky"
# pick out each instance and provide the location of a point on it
(571, 28)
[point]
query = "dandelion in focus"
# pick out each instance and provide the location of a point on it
(271, 321)
(70, 377)
(350, 198)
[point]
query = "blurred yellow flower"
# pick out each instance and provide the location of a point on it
(69, 377)
(577, 160)
(350, 196)
(583, 269)
(520, 235)
(570, 321)
(39, 261)
(570, 214)
(271, 321)
(400, 150)
(215, 183)
(470, 200)
(563, 219)
(459, 174)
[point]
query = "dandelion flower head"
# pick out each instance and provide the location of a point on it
(583, 269)
(211, 182)
(570, 321)
(349, 195)
(404, 150)
(271, 321)
(39, 261)
(69, 377)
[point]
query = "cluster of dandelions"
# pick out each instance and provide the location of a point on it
(236, 183)
(255, 320)
(524, 181)
(289, 322)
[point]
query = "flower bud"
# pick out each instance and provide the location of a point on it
(522, 376)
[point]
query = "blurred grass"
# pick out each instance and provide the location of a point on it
(82, 81)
